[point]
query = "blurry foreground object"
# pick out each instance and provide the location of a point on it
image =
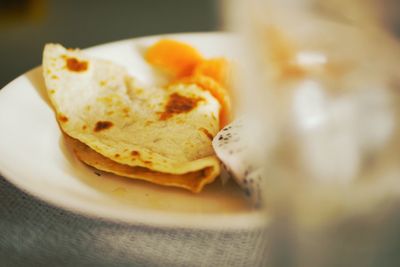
(321, 77)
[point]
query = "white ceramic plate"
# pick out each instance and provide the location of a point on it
(33, 155)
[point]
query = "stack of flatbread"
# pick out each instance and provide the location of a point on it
(161, 135)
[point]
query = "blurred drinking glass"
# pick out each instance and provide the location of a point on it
(322, 78)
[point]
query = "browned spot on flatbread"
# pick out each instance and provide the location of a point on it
(84, 127)
(180, 121)
(126, 112)
(178, 104)
(62, 118)
(135, 153)
(102, 125)
(76, 65)
(207, 133)
(116, 155)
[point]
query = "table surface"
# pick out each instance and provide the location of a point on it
(33, 233)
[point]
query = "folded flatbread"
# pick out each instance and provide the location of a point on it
(161, 135)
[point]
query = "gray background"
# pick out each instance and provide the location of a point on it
(77, 23)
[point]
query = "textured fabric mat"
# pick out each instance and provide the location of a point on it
(33, 233)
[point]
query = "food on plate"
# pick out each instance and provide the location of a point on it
(215, 68)
(188, 66)
(174, 57)
(234, 149)
(193, 181)
(216, 91)
(161, 135)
